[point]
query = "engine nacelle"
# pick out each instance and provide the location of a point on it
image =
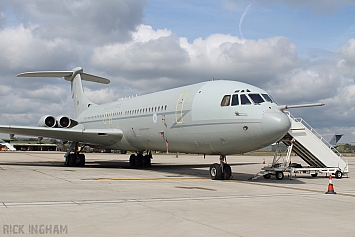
(47, 121)
(65, 122)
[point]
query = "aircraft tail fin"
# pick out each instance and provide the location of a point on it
(335, 139)
(81, 102)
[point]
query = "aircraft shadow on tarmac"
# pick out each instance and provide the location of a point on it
(171, 170)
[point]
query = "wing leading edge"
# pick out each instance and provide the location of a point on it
(98, 137)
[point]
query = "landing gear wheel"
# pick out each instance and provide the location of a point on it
(72, 160)
(267, 176)
(279, 175)
(338, 174)
(314, 175)
(132, 160)
(215, 172)
(146, 161)
(81, 162)
(139, 160)
(227, 172)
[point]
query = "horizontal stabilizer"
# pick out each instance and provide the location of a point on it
(66, 75)
(46, 74)
(89, 77)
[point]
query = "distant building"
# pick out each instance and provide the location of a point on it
(31, 145)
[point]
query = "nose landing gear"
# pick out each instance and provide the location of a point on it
(221, 171)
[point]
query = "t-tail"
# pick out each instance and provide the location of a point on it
(333, 142)
(81, 102)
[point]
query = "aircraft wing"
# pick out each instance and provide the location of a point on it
(98, 137)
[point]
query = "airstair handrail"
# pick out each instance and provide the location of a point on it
(315, 133)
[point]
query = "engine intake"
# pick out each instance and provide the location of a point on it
(63, 121)
(47, 121)
(66, 122)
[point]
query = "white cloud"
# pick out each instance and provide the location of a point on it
(83, 21)
(101, 96)
(22, 50)
(154, 55)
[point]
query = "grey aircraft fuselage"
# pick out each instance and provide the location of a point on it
(191, 119)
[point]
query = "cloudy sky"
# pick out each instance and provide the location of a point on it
(299, 51)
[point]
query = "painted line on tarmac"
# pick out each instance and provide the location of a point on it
(143, 179)
(288, 187)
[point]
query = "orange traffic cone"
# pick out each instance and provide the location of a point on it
(330, 186)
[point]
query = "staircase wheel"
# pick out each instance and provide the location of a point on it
(338, 174)
(267, 176)
(279, 175)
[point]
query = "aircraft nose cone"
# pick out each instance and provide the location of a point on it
(275, 124)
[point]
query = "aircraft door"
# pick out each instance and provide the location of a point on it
(180, 107)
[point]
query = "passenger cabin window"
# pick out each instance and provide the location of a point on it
(256, 98)
(244, 100)
(226, 100)
(235, 100)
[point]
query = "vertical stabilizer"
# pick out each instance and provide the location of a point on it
(335, 139)
(81, 102)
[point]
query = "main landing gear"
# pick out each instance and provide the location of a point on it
(140, 160)
(221, 171)
(72, 157)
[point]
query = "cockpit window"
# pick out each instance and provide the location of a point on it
(226, 100)
(235, 100)
(267, 98)
(256, 98)
(244, 100)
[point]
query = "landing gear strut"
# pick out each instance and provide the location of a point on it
(140, 160)
(221, 171)
(72, 157)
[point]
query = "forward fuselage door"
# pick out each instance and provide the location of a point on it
(180, 107)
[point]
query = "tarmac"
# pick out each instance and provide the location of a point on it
(39, 196)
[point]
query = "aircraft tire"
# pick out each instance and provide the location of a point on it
(132, 160)
(227, 172)
(146, 161)
(314, 175)
(72, 160)
(138, 160)
(215, 172)
(81, 162)
(279, 175)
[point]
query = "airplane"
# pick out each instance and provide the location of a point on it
(217, 117)
(333, 142)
